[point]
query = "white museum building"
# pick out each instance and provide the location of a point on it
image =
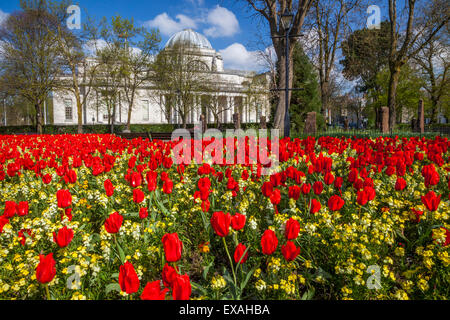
(231, 94)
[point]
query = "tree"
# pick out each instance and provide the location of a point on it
(139, 47)
(111, 58)
(177, 75)
(81, 71)
(328, 21)
(308, 99)
(269, 11)
(408, 36)
(433, 59)
(365, 53)
(31, 63)
(408, 91)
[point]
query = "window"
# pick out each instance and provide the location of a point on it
(105, 117)
(68, 109)
(145, 114)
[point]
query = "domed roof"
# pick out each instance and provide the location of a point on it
(189, 38)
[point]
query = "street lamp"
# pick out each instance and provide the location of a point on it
(286, 21)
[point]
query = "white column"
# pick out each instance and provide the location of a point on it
(231, 110)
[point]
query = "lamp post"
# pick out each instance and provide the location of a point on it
(286, 21)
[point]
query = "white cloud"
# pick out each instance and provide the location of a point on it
(168, 26)
(196, 2)
(222, 23)
(91, 46)
(3, 16)
(236, 56)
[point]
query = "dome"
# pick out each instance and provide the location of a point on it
(189, 38)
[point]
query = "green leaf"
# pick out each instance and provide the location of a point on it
(115, 275)
(206, 269)
(121, 253)
(199, 287)
(249, 274)
(308, 295)
(112, 287)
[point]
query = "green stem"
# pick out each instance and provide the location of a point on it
(47, 292)
(231, 261)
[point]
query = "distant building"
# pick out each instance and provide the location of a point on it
(231, 94)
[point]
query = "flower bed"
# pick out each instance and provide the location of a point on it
(99, 217)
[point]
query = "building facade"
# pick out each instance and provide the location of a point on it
(231, 94)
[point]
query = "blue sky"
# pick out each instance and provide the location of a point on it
(226, 24)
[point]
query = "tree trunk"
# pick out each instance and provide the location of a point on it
(434, 106)
(113, 117)
(78, 100)
(281, 105)
(38, 118)
(130, 108)
(80, 114)
(392, 93)
(325, 94)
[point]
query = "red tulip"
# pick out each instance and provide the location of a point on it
(315, 206)
(267, 189)
(172, 247)
(269, 242)
(138, 195)
(306, 188)
(135, 179)
(152, 291)
(205, 205)
(109, 188)
(152, 177)
(238, 221)
(430, 175)
(239, 252)
(220, 222)
(63, 237)
(335, 203)
(47, 178)
(275, 197)
(204, 184)
(168, 186)
(294, 192)
(64, 198)
(318, 187)
(113, 222)
(431, 201)
(329, 178)
(181, 289)
(128, 279)
(71, 176)
(143, 213)
(362, 197)
(45, 271)
(3, 221)
(290, 251)
(292, 229)
(400, 184)
(22, 208)
(10, 209)
(338, 182)
(169, 274)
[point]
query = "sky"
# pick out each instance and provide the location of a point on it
(226, 23)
